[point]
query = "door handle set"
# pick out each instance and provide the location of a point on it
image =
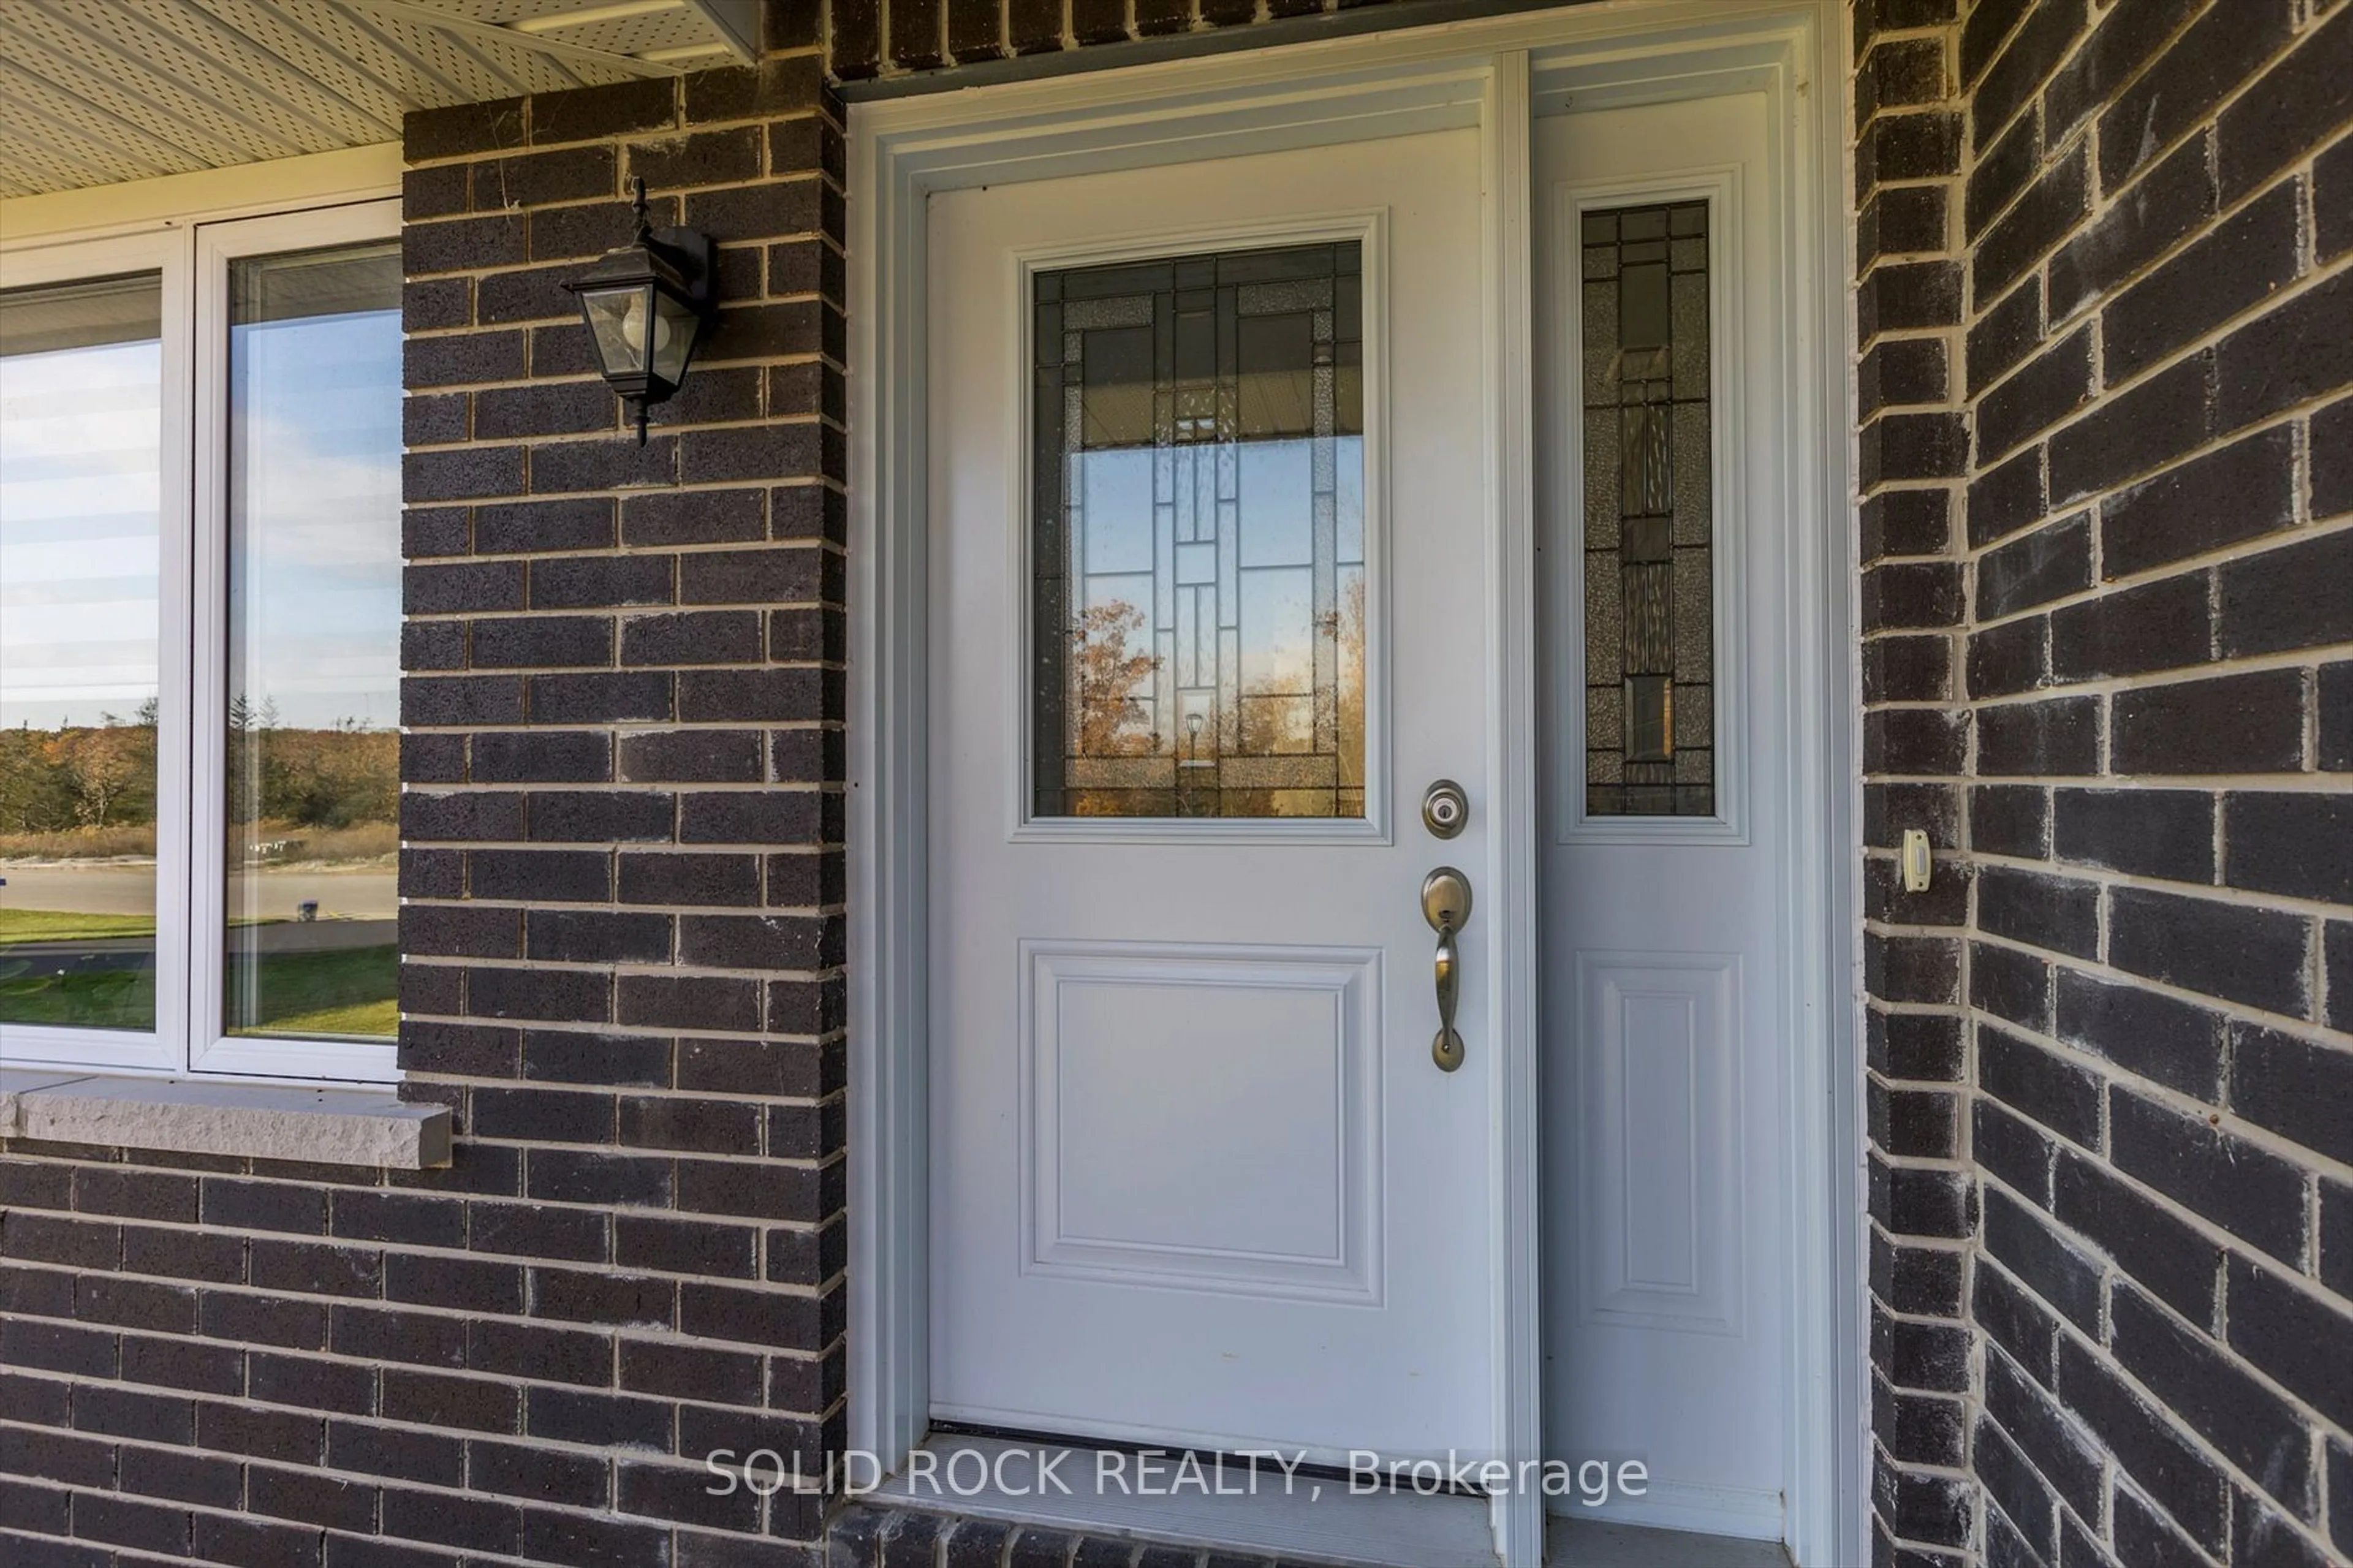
(1446, 905)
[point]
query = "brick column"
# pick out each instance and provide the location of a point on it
(622, 827)
(1913, 449)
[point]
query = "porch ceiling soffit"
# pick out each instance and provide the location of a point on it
(93, 93)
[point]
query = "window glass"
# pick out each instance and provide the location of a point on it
(1649, 607)
(1198, 546)
(81, 550)
(312, 745)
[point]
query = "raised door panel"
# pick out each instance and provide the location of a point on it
(1202, 1117)
(1660, 1146)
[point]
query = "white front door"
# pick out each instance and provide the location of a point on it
(1209, 593)
(1668, 571)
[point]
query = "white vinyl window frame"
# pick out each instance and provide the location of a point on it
(218, 246)
(164, 1049)
(192, 261)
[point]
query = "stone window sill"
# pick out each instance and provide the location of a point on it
(256, 1121)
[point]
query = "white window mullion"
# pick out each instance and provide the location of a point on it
(175, 708)
(207, 641)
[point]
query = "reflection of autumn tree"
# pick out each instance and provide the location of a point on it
(111, 769)
(337, 777)
(1279, 718)
(83, 777)
(1104, 674)
(1347, 629)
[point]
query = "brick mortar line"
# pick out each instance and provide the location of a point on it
(2299, 32)
(2111, 1271)
(530, 383)
(2296, 418)
(815, 1165)
(633, 1334)
(2153, 1402)
(575, 1027)
(626, 967)
(2216, 1117)
(2221, 556)
(681, 127)
(618, 1455)
(2307, 660)
(838, 1034)
(618, 726)
(2107, 880)
(520, 1382)
(2305, 282)
(2092, 303)
(132, 1554)
(2092, 874)
(617, 198)
(677, 1403)
(2103, 397)
(361, 1244)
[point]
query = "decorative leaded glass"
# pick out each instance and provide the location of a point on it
(1198, 546)
(1650, 709)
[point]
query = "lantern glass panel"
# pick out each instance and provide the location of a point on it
(617, 317)
(675, 325)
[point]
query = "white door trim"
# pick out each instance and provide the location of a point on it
(1474, 73)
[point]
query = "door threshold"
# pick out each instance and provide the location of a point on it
(1601, 1544)
(1313, 1520)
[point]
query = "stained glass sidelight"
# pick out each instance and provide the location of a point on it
(1197, 545)
(1650, 709)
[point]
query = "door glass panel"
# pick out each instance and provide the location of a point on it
(1649, 673)
(312, 740)
(1197, 545)
(81, 378)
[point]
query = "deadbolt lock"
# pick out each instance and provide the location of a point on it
(1445, 809)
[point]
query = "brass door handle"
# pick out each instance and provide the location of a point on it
(1446, 905)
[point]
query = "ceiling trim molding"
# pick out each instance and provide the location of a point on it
(169, 200)
(554, 48)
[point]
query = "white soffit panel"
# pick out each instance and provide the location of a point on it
(93, 93)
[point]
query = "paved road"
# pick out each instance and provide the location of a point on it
(366, 894)
(286, 936)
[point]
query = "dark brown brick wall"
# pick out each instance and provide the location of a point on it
(868, 38)
(622, 944)
(2108, 327)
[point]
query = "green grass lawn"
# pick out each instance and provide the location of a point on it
(350, 990)
(68, 925)
(95, 999)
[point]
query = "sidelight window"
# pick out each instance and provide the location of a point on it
(1649, 711)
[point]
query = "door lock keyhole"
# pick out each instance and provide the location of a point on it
(1445, 809)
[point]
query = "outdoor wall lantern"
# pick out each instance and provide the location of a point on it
(647, 305)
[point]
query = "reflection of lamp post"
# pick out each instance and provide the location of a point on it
(1193, 735)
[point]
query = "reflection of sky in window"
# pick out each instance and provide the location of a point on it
(314, 502)
(78, 548)
(1274, 596)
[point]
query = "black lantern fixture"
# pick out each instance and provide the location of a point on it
(645, 305)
